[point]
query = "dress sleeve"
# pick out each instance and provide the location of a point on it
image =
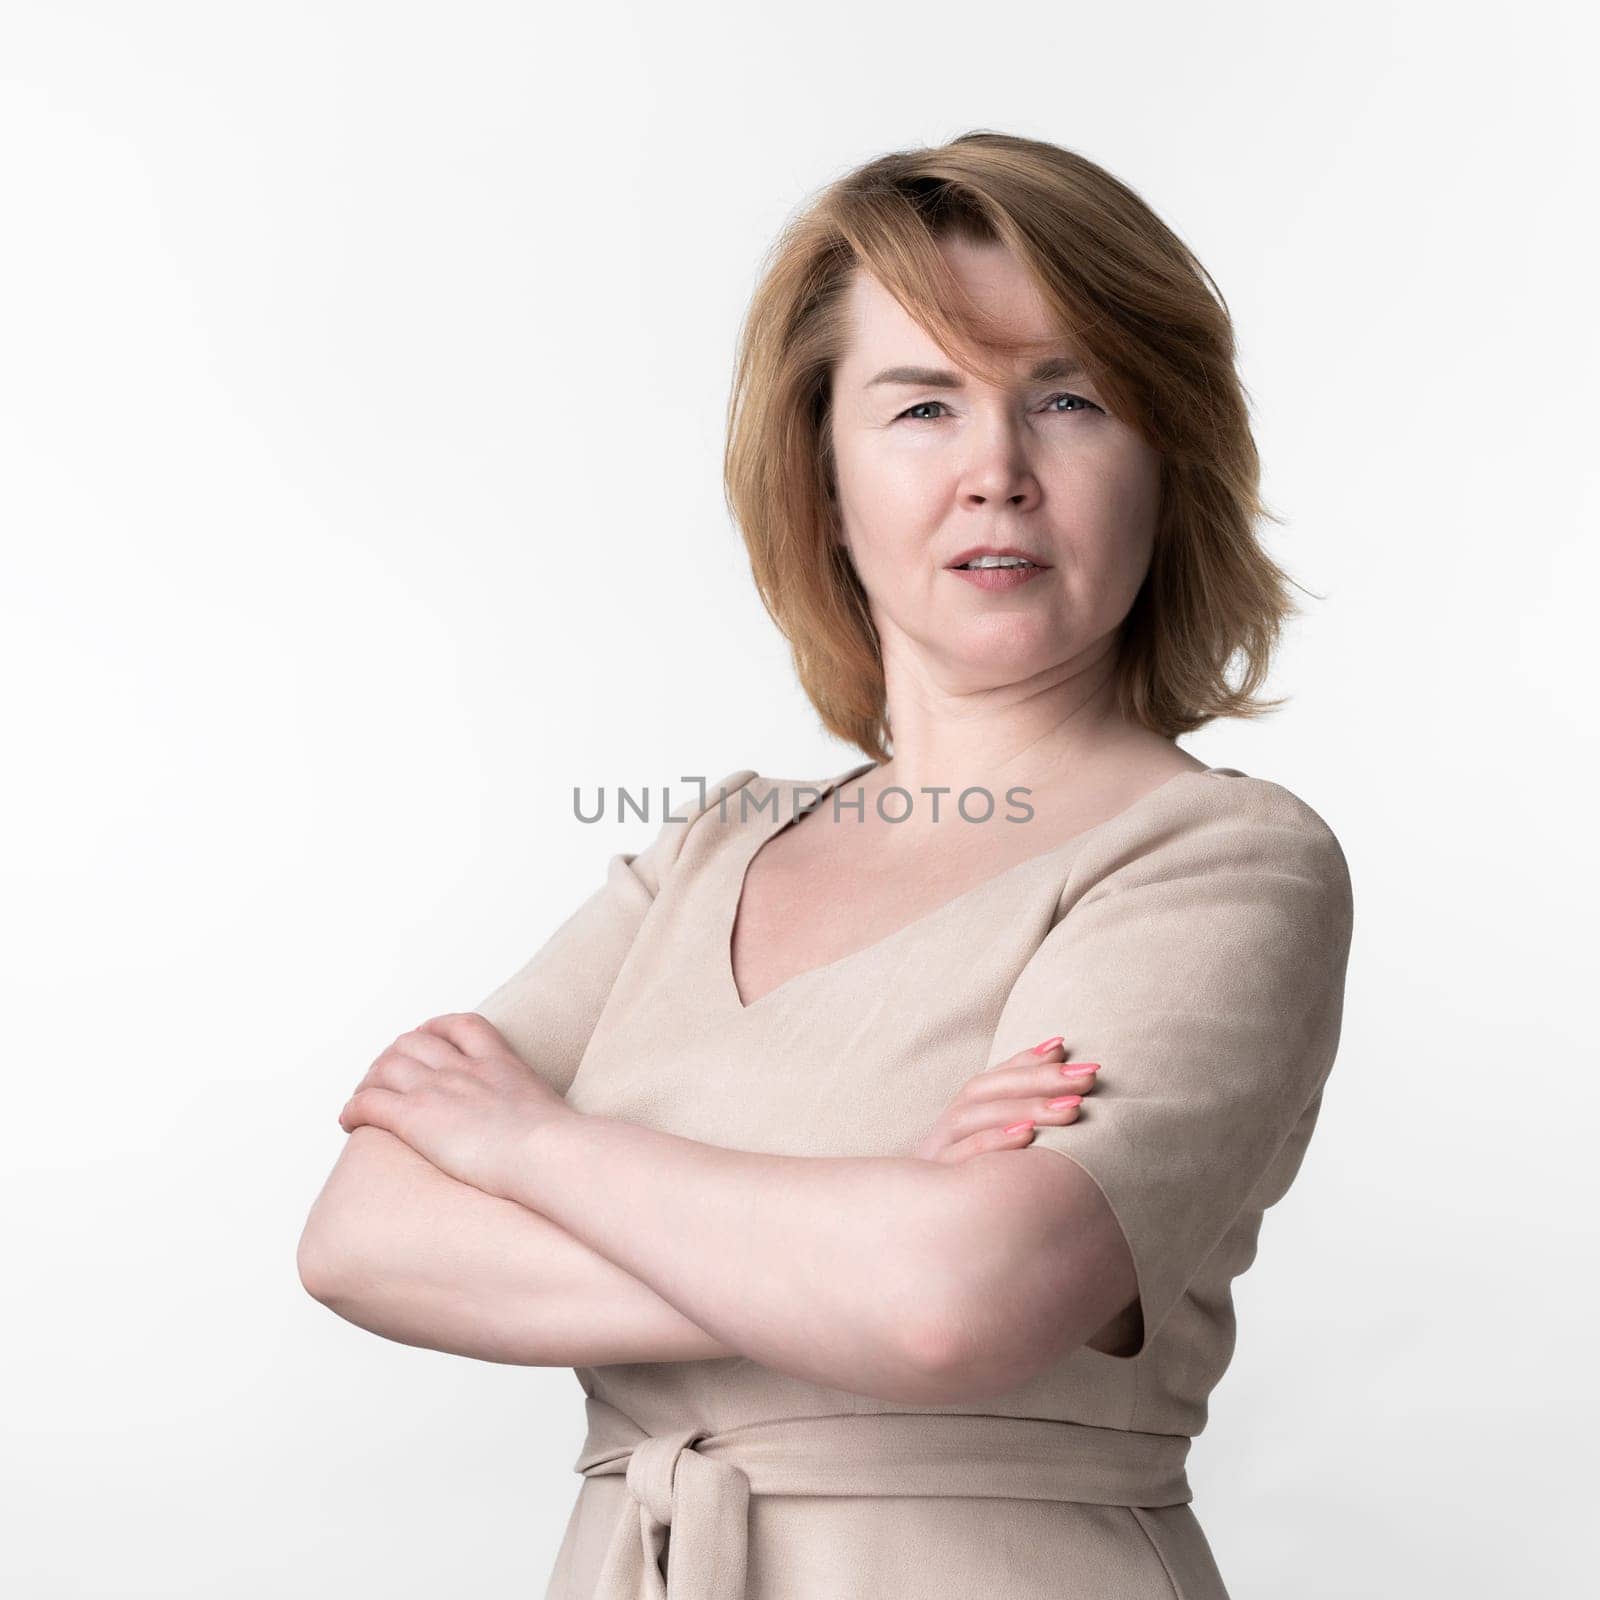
(550, 1006)
(1203, 966)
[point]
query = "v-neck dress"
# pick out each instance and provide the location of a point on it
(1195, 945)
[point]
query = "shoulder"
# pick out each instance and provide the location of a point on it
(712, 795)
(685, 820)
(714, 803)
(1225, 829)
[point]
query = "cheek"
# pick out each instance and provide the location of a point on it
(889, 482)
(889, 511)
(1115, 507)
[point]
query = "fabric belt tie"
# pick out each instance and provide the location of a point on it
(696, 1484)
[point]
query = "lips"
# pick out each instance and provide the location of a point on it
(997, 550)
(999, 580)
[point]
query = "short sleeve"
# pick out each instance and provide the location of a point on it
(1202, 964)
(549, 1008)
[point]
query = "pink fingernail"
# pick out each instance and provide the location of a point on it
(1066, 1100)
(1016, 1127)
(1047, 1046)
(1079, 1068)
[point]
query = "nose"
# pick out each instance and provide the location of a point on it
(998, 472)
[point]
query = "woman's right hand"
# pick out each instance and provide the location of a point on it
(997, 1099)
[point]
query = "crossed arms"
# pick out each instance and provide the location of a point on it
(900, 1278)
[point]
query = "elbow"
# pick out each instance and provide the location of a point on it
(319, 1264)
(969, 1345)
(999, 1295)
(956, 1369)
(935, 1359)
(922, 1340)
(941, 1367)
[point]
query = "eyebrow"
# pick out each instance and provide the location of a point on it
(1045, 371)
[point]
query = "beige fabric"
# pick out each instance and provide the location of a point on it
(1195, 945)
(698, 1484)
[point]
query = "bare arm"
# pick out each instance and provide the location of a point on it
(397, 1247)
(400, 1248)
(860, 1273)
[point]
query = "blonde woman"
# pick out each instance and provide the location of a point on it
(880, 1148)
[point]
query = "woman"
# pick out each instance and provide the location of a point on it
(750, 1142)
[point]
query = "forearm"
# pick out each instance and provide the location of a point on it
(395, 1246)
(837, 1270)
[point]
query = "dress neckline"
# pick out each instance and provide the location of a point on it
(741, 860)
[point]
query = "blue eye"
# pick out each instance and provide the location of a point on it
(1078, 397)
(922, 405)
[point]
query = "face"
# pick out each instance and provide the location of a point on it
(929, 468)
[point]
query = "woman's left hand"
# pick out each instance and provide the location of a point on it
(460, 1096)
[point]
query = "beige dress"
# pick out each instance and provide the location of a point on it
(1195, 945)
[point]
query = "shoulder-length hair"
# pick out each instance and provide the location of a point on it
(1147, 320)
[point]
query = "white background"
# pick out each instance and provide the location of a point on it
(361, 401)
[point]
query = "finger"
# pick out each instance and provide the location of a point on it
(392, 1070)
(1002, 1077)
(1082, 1075)
(1013, 1137)
(472, 1034)
(1027, 1076)
(428, 1048)
(1064, 1077)
(1055, 1110)
(1058, 1110)
(373, 1108)
(1051, 1049)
